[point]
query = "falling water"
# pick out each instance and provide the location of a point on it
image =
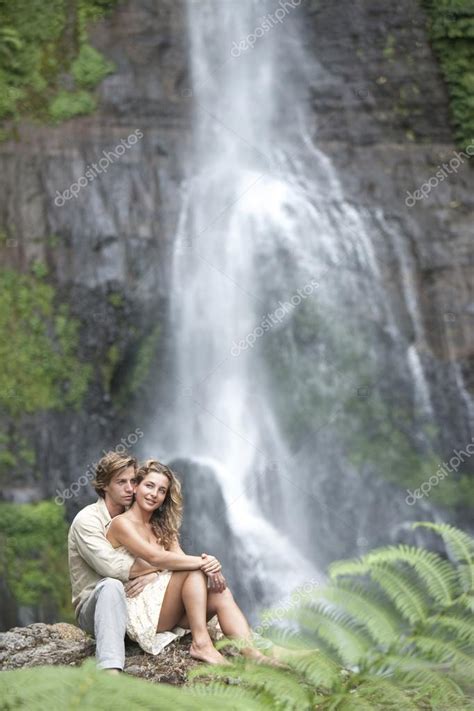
(263, 220)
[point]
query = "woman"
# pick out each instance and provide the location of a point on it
(179, 598)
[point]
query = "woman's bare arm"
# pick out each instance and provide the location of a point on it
(124, 533)
(175, 547)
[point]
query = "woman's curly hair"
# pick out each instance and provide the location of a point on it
(165, 521)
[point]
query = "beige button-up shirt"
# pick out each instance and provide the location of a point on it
(91, 556)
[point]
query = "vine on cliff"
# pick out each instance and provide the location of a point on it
(452, 34)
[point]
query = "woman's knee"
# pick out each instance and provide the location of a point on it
(221, 598)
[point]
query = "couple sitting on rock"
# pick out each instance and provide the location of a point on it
(130, 575)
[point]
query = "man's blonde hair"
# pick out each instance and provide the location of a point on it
(110, 465)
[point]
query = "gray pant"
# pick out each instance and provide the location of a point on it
(104, 614)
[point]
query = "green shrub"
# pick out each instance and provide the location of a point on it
(67, 104)
(90, 67)
(40, 43)
(33, 556)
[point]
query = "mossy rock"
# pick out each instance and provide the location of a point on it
(38, 344)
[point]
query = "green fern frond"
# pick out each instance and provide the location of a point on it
(460, 625)
(427, 679)
(460, 547)
(87, 688)
(339, 632)
(460, 544)
(315, 668)
(466, 576)
(447, 652)
(435, 687)
(466, 601)
(386, 695)
(406, 596)
(222, 697)
(366, 607)
(350, 702)
(289, 638)
(350, 567)
(438, 575)
(286, 689)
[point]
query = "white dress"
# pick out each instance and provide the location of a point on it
(143, 613)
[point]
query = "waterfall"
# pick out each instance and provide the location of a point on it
(287, 332)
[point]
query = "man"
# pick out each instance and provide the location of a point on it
(97, 570)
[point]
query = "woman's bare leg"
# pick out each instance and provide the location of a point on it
(187, 590)
(232, 622)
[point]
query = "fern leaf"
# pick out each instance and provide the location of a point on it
(286, 689)
(438, 575)
(315, 668)
(222, 697)
(341, 633)
(448, 652)
(386, 695)
(460, 547)
(366, 608)
(460, 625)
(425, 678)
(408, 599)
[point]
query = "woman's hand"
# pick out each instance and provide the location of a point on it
(210, 564)
(217, 582)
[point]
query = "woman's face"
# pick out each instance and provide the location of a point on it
(151, 491)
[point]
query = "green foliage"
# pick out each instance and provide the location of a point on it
(67, 104)
(39, 269)
(116, 299)
(140, 367)
(347, 647)
(90, 67)
(108, 367)
(452, 35)
(33, 555)
(38, 341)
(40, 43)
(15, 454)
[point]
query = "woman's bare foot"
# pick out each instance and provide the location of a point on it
(259, 658)
(206, 652)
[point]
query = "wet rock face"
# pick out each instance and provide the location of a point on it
(206, 528)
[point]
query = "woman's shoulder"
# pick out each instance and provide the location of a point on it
(119, 524)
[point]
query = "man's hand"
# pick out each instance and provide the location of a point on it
(135, 586)
(217, 582)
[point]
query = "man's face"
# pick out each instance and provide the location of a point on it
(121, 487)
